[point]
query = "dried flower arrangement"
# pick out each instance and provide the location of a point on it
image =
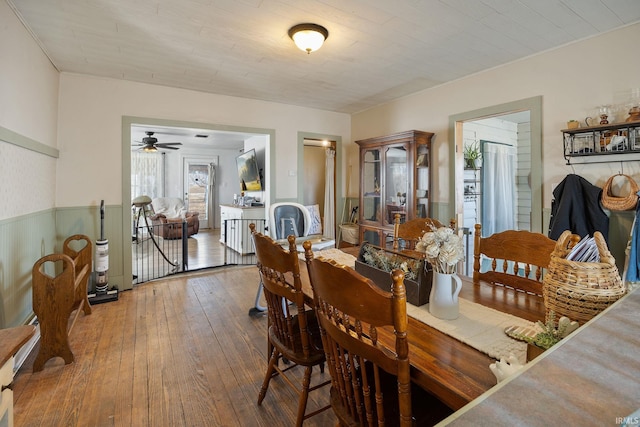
(385, 261)
(442, 248)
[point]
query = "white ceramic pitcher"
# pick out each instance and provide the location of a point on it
(443, 299)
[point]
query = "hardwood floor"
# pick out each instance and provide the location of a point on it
(182, 351)
(205, 249)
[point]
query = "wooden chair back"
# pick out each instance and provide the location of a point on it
(406, 234)
(516, 259)
(293, 331)
(370, 383)
(280, 274)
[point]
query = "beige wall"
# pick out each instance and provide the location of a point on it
(90, 128)
(572, 81)
(28, 109)
(28, 83)
(28, 127)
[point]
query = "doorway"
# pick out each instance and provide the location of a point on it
(315, 176)
(199, 188)
(518, 124)
(312, 153)
(199, 141)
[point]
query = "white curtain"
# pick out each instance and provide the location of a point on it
(147, 174)
(210, 200)
(329, 226)
(498, 188)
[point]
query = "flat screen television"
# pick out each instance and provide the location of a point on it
(248, 171)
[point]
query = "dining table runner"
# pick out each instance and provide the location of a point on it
(478, 326)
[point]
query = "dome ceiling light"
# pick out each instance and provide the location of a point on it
(308, 37)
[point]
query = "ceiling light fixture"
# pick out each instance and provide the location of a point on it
(150, 149)
(308, 37)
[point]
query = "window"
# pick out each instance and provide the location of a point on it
(147, 174)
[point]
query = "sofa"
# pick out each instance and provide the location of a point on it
(168, 216)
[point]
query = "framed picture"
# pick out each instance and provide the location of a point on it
(423, 160)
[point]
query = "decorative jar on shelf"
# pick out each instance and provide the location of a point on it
(634, 115)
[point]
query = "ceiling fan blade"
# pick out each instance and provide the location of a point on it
(168, 145)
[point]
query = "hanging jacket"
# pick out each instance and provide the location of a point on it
(576, 207)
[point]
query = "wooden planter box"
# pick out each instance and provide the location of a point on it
(417, 290)
(533, 351)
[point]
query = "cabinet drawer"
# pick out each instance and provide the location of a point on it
(6, 372)
(6, 397)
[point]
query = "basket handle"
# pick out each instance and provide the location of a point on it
(603, 249)
(563, 244)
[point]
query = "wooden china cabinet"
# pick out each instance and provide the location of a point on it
(395, 177)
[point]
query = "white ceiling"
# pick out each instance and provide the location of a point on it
(377, 50)
(188, 137)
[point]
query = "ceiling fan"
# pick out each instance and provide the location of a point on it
(150, 144)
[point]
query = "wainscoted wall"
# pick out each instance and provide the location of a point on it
(27, 238)
(27, 219)
(620, 224)
(23, 240)
(86, 220)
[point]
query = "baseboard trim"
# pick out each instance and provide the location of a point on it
(26, 349)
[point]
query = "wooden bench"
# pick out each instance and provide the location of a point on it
(55, 298)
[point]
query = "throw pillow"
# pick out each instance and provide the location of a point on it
(316, 221)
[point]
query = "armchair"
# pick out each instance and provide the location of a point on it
(169, 212)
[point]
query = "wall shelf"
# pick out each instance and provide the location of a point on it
(618, 142)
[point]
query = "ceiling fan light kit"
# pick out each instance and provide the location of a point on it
(150, 144)
(308, 37)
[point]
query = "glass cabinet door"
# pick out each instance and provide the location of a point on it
(371, 235)
(422, 182)
(396, 184)
(371, 185)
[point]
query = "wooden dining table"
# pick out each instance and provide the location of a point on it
(451, 370)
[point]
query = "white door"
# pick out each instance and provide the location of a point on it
(200, 189)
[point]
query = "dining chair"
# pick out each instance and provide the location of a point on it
(293, 331)
(290, 218)
(511, 258)
(370, 383)
(406, 234)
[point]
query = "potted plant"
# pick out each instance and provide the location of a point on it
(573, 124)
(471, 153)
(548, 335)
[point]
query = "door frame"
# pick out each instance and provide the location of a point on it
(338, 192)
(188, 159)
(456, 158)
(127, 122)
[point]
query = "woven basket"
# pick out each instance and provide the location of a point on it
(580, 290)
(613, 203)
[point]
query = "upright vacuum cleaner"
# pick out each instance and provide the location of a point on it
(101, 263)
